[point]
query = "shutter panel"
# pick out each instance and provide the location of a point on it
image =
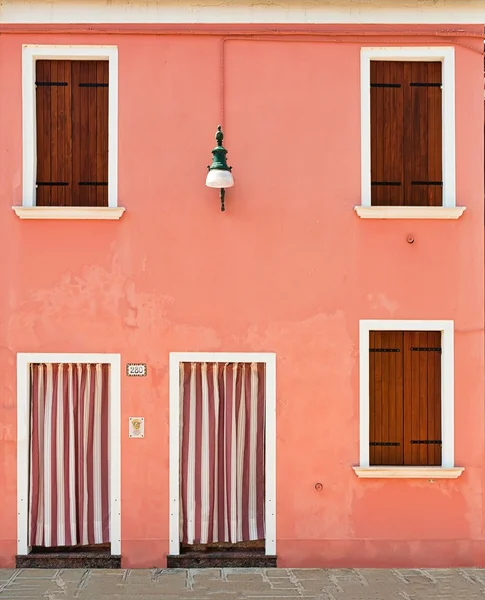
(54, 133)
(423, 134)
(422, 398)
(386, 397)
(90, 127)
(387, 130)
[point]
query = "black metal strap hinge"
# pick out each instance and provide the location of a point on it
(426, 183)
(384, 350)
(51, 83)
(419, 84)
(385, 85)
(94, 85)
(426, 442)
(413, 349)
(384, 443)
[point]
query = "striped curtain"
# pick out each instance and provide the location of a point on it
(69, 482)
(222, 452)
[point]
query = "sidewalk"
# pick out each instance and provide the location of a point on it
(242, 584)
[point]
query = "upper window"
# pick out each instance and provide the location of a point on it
(72, 132)
(69, 133)
(406, 142)
(408, 133)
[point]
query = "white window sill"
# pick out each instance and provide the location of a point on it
(69, 212)
(408, 472)
(409, 212)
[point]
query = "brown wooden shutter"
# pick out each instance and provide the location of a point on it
(422, 135)
(54, 133)
(422, 398)
(72, 133)
(406, 134)
(387, 133)
(90, 132)
(386, 397)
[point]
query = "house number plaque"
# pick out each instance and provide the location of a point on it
(136, 369)
(137, 427)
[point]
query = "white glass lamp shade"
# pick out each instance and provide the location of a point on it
(217, 178)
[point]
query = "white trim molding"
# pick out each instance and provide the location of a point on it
(69, 212)
(269, 359)
(31, 53)
(408, 472)
(409, 212)
(447, 393)
(440, 12)
(445, 55)
(24, 360)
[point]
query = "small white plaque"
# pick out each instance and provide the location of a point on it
(136, 369)
(137, 427)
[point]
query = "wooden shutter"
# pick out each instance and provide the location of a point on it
(405, 398)
(422, 398)
(90, 132)
(387, 133)
(406, 133)
(386, 397)
(72, 133)
(54, 133)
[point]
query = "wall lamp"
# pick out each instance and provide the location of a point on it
(219, 175)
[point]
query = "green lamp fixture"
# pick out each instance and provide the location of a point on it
(219, 175)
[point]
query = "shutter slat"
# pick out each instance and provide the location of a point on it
(372, 407)
(102, 78)
(423, 399)
(54, 131)
(64, 134)
(434, 398)
(435, 166)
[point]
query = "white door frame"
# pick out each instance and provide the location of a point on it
(269, 359)
(24, 360)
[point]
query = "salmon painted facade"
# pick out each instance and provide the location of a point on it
(298, 379)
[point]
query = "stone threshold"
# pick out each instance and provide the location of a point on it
(68, 560)
(211, 560)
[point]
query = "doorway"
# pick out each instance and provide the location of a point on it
(68, 456)
(222, 459)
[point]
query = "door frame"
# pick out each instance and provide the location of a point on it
(24, 360)
(269, 359)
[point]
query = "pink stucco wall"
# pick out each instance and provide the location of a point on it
(289, 268)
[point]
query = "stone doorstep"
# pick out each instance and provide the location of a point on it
(70, 560)
(202, 560)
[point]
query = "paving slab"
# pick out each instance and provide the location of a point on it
(242, 584)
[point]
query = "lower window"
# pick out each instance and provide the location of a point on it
(405, 398)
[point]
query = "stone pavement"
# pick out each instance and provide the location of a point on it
(243, 584)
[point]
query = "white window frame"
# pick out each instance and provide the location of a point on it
(448, 210)
(269, 359)
(24, 360)
(30, 54)
(447, 468)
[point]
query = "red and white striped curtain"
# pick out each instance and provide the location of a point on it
(69, 483)
(222, 452)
